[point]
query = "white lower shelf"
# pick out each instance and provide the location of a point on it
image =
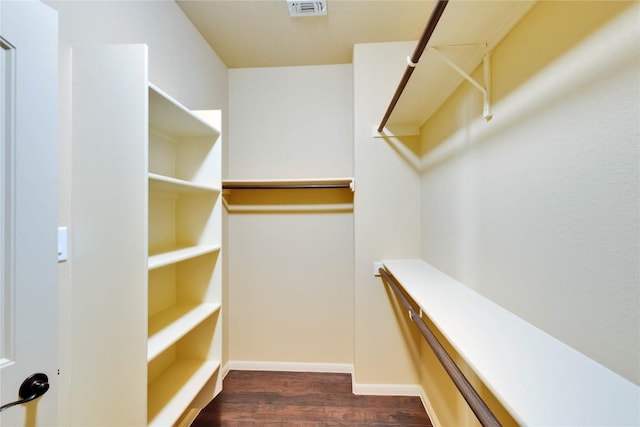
(171, 393)
(168, 326)
(539, 379)
(173, 256)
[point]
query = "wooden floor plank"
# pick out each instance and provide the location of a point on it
(305, 399)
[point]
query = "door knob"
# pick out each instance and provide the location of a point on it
(32, 388)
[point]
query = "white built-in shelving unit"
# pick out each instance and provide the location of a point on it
(147, 234)
(184, 334)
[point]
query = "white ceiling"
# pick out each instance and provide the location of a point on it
(260, 33)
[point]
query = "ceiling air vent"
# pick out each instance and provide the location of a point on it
(307, 7)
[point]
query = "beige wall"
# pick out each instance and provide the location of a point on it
(290, 122)
(290, 271)
(387, 218)
(541, 210)
(538, 210)
(180, 62)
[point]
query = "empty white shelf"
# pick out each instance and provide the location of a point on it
(172, 118)
(166, 183)
(172, 392)
(339, 182)
(539, 379)
(168, 326)
(173, 256)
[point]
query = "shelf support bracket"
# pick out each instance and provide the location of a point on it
(487, 112)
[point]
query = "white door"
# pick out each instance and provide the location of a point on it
(28, 208)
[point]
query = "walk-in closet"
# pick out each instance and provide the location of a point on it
(436, 201)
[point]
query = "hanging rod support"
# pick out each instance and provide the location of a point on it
(487, 114)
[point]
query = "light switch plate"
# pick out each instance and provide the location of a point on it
(62, 244)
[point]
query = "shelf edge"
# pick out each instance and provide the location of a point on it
(193, 316)
(180, 184)
(177, 255)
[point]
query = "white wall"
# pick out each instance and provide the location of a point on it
(542, 210)
(387, 218)
(290, 271)
(538, 210)
(180, 62)
(290, 122)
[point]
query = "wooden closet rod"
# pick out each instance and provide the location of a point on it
(282, 186)
(415, 58)
(477, 405)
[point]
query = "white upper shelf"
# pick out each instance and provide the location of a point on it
(256, 184)
(170, 184)
(539, 379)
(172, 118)
(462, 33)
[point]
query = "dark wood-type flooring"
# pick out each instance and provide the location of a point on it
(303, 399)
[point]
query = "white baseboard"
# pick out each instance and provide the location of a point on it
(244, 365)
(398, 390)
(387, 389)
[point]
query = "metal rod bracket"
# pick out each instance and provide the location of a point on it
(487, 112)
